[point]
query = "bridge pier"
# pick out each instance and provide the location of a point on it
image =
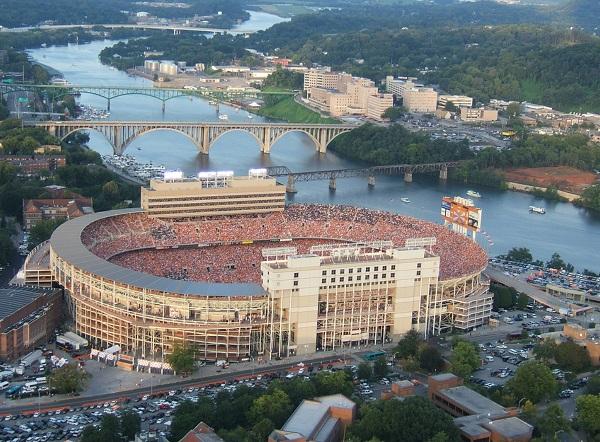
(332, 184)
(163, 107)
(444, 173)
(371, 181)
(291, 185)
(108, 104)
(408, 176)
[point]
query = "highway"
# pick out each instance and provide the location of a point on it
(78, 401)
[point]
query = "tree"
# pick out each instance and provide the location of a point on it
(182, 359)
(365, 371)
(131, 424)
(408, 345)
(275, 406)
(522, 301)
(380, 367)
(68, 379)
(545, 351)
(188, 414)
(333, 383)
(572, 357)
(587, 407)
(534, 381)
(413, 420)
(110, 429)
(556, 262)
(504, 297)
(451, 107)
(465, 359)
(593, 385)
(42, 231)
(513, 109)
(552, 421)
(394, 113)
(430, 359)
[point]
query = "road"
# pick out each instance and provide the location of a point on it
(132, 394)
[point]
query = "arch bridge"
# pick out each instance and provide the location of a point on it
(56, 91)
(203, 134)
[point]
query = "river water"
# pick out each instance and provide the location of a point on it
(573, 232)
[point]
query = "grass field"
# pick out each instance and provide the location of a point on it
(288, 110)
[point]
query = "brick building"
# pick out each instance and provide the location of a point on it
(34, 164)
(63, 204)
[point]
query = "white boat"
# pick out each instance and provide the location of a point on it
(405, 200)
(212, 102)
(539, 210)
(250, 116)
(473, 194)
(223, 117)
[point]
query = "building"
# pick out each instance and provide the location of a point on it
(340, 94)
(478, 115)
(35, 210)
(168, 68)
(201, 433)
(322, 419)
(378, 104)
(458, 100)
(34, 164)
(478, 418)
(587, 338)
(47, 149)
(28, 316)
(273, 284)
(152, 65)
(213, 193)
(320, 78)
(415, 97)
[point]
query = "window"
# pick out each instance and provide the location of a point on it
(368, 269)
(418, 265)
(383, 276)
(333, 272)
(384, 268)
(324, 272)
(366, 277)
(349, 278)
(323, 281)
(295, 275)
(376, 268)
(295, 282)
(392, 275)
(358, 278)
(393, 266)
(341, 279)
(341, 271)
(375, 276)
(358, 270)
(418, 272)
(332, 280)
(350, 270)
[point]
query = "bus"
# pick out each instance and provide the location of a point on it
(13, 391)
(371, 356)
(4, 384)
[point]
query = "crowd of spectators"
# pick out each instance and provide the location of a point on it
(217, 248)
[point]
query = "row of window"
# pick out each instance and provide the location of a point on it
(358, 270)
(211, 197)
(358, 278)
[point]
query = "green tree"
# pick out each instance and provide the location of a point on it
(42, 231)
(572, 357)
(587, 407)
(275, 406)
(545, 350)
(365, 371)
(110, 430)
(556, 262)
(522, 301)
(68, 379)
(394, 113)
(552, 421)
(465, 359)
(504, 297)
(333, 383)
(380, 367)
(408, 345)
(430, 359)
(513, 110)
(188, 415)
(182, 359)
(534, 381)
(413, 420)
(131, 424)
(593, 385)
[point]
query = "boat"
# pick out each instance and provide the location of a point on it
(405, 200)
(250, 116)
(539, 210)
(223, 117)
(473, 194)
(212, 102)
(139, 148)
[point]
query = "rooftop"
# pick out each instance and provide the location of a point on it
(472, 402)
(15, 298)
(511, 427)
(336, 400)
(307, 418)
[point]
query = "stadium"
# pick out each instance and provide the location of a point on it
(264, 285)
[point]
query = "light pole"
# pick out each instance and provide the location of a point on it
(558, 432)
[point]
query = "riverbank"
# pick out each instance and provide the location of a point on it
(570, 197)
(287, 109)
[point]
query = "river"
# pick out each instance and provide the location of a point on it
(573, 232)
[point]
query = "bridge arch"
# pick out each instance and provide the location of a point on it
(90, 129)
(312, 137)
(131, 139)
(260, 142)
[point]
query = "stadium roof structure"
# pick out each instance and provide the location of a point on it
(66, 243)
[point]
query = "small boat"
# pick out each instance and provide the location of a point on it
(539, 210)
(473, 194)
(405, 200)
(250, 116)
(139, 148)
(212, 102)
(223, 117)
